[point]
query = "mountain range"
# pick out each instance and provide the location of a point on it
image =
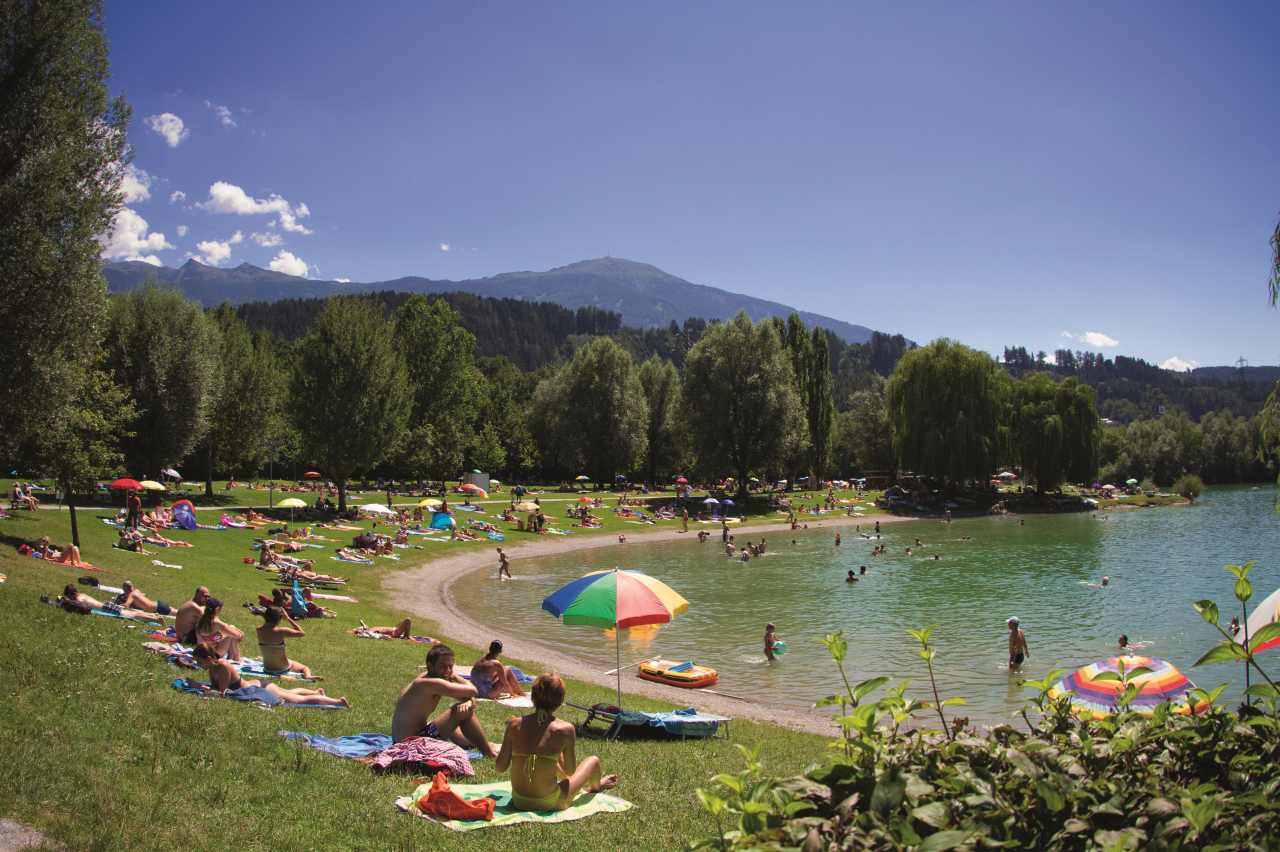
(644, 295)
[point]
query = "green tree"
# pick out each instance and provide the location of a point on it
(439, 355)
(592, 413)
(350, 394)
(820, 409)
(247, 412)
(84, 447)
(661, 385)
(863, 438)
(739, 402)
(504, 394)
(945, 404)
(1055, 433)
(63, 150)
(164, 350)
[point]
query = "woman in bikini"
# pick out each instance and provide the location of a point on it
(69, 555)
(271, 636)
(224, 678)
(211, 629)
(539, 751)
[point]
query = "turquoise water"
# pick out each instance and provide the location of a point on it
(1158, 561)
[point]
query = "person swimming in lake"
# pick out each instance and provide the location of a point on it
(1123, 641)
(851, 578)
(550, 776)
(862, 569)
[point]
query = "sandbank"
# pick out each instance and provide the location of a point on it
(423, 592)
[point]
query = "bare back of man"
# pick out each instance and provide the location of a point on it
(189, 613)
(420, 699)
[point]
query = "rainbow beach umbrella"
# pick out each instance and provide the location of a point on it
(615, 599)
(1264, 613)
(1094, 697)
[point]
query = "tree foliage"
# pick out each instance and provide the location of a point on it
(164, 351)
(62, 154)
(350, 394)
(863, 440)
(661, 385)
(439, 356)
(592, 412)
(946, 408)
(1054, 430)
(738, 401)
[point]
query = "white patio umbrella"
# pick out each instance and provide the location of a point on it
(376, 509)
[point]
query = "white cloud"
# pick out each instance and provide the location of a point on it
(222, 113)
(182, 230)
(444, 247)
(288, 264)
(136, 184)
(128, 238)
(343, 280)
(1178, 365)
(177, 195)
(169, 126)
(228, 198)
(1093, 338)
(148, 258)
(217, 252)
(267, 240)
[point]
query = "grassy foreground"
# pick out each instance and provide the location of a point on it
(101, 753)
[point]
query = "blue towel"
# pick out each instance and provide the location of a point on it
(355, 745)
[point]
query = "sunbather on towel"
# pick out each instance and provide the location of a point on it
(403, 630)
(310, 576)
(459, 534)
(491, 678)
(72, 594)
(197, 621)
(271, 636)
(132, 598)
(132, 540)
(69, 555)
(539, 751)
(418, 700)
(275, 560)
(224, 678)
(157, 539)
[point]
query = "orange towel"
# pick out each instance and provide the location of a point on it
(443, 802)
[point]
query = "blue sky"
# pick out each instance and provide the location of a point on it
(1103, 176)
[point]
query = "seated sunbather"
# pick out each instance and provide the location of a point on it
(131, 598)
(402, 536)
(71, 593)
(400, 631)
(419, 700)
(271, 637)
(484, 526)
(491, 678)
(539, 749)
(132, 540)
(210, 628)
(224, 678)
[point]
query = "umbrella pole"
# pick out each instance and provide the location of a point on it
(617, 655)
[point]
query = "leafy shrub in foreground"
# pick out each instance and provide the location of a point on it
(1168, 781)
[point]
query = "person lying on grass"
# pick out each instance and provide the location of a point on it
(69, 555)
(271, 559)
(403, 630)
(539, 751)
(302, 574)
(72, 594)
(131, 540)
(131, 598)
(271, 637)
(159, 540)
(459, 534)
(224, 678)
(418, 700)
(491, 678)
(206, 626)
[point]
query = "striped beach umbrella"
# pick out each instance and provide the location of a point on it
(1096, 697)
(615, 599)
(1264, 613)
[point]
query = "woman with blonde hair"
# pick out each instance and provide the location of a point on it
(539, 751)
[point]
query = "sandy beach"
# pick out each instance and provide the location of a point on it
(423, 592)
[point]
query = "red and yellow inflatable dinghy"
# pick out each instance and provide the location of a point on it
(686, 675)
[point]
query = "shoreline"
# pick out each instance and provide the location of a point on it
(423, 591)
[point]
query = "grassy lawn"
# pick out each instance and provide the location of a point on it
(102, 753)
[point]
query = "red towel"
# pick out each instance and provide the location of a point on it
(443, 802)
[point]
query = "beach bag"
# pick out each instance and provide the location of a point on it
(24, 549)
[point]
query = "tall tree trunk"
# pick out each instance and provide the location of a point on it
(342, 495)
(208, 469)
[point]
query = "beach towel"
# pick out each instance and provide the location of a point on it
(371, 634)
(585, 805)
(160, 564)
(359, 746)
(415, 753)
(339, 598)
(356, 561)
(520, 701)
(493, 536)
(256, 694)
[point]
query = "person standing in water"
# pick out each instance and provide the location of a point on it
(1017, 644)
(504, 564)
(770, 639)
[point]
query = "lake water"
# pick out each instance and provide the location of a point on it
(1159, 561)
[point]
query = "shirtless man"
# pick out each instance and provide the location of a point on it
(71, 593)
(189, 615)
(418, 700)
(504, 564)
(491, 678)
(133, 599)
(1017, 644)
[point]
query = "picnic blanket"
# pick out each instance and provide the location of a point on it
(419, 754)
(364, 747)
(585, 805)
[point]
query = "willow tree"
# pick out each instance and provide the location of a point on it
(351, 396)
(739, 401)
(945, 403)
(1054, 430)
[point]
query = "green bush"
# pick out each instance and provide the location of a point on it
(1124, 782)
(1189, 485)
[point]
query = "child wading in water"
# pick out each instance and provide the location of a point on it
(770, 639)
